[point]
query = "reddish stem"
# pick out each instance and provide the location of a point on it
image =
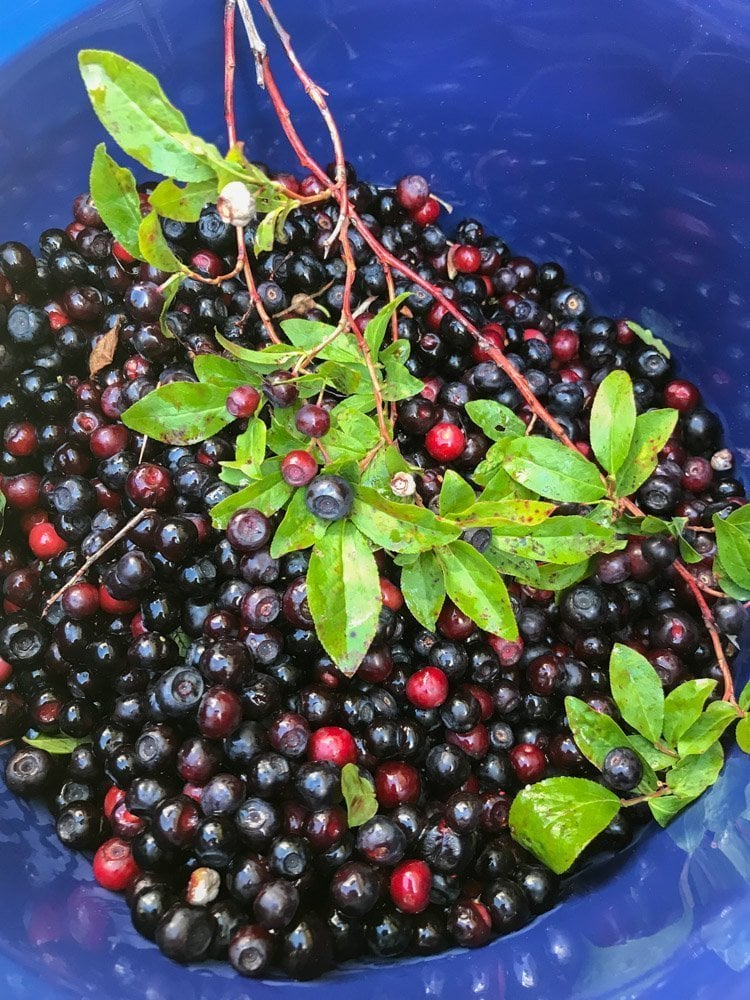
(230, 62)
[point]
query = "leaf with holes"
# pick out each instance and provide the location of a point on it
(494, 419)
(399, 527)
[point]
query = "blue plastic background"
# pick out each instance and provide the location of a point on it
(609, 135)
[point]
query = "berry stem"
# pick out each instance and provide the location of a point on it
(230, 62)
(388, 259)
(97, 556)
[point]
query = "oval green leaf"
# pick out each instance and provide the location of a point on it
(613, 420)
(477, 589)
(637, 691)
(557, 818)
(423, 589)
(707, 728)
(652, 429)
(734, 551)
(683, 706)
(180, 412)
(116, 198)
(552, 470)
(153, 246)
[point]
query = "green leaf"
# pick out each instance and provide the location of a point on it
(495, 420)
(269, 359)
(649, 525)
(507, 515)
(184, 204)
(116, 198)
(683, 707)
(743, 701)
(169, 290)
(477, 590)
(359, 796)
(265, 232)
(652, 430)
(375, 329)
(665, 808)
(497, 484)
(613, 420)
(734, 551)
(131, 105)
(309, 334)
(455, 494)
(423, 588)
(55, 744)
(727, 584)
(557, 818)
(742, 734)
(399, 382)
(561, 577)
(554, 471)
(687, 553)
(343, 592)
(563, 541)
(637, 691)
(656, 759)
(180, 412)
(250, 446)
(399, 527)
(707, 728)
(283, 435)
(154, 247)
(594, 732)
(648, 338)
(692, 775)
(222, 371)
(299, 529)
(267, 495)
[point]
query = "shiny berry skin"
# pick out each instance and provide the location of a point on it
(410, 885)
(397, 783)
(469, 923)
(334, 744)
(697, 474)
(185, 933)
(681, 395)
(114, 866)
(445, 442)
(427, 214)
(381, 841)
(529, 762)
(80, 601)
(251, 950)
(622, 769)
(298, 468)
(412, 192)
(144, 301)
(20, 439)
(243, 401)
(248, 530)
(507, 904)
(109, 440)
(329, 497)
(149, 485)
(427, 688)
(219, 713)
(467, 259)
(45, 542)
(312, 421)
(29, 771)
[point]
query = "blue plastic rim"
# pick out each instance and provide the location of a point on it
(610, 136)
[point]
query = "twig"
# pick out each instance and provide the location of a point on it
(646, 798)
(230, 62)
(256, 42)
(97, 556)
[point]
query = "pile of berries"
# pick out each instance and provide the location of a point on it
(214, 727)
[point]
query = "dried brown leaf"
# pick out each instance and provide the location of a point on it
(104, 350)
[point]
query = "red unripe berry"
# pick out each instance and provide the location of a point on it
(114, 867)
(454, 624)
(431, 388)
(111, 606)
(410, 886)
(435, 315)
(697, 474)
(467, 259)
(445, 442)
(474, 744)
(564, 345)
(119, 251)
(312, 421)
(531, 334)
(310, 185)
(20, 438)
(625, 335)
(427, 688)
(207, 263)
(113, 798)
(45, 542)
(428, 213)
(332, 743)
(81, 600)
(528, 762)
(6, 671)
(243, 401)
(681, 395)
(390, 595)
(109, 440)
(483, 697)
(136, 625)
(22, 492)
(412, 192)
(507, 652)
(397, 783)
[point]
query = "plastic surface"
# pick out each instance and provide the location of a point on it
(611, 136)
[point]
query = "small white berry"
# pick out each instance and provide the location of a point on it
(203, 887)
(236, 204)
(403, 484)
(722, 461)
